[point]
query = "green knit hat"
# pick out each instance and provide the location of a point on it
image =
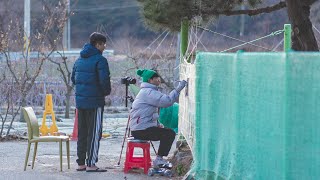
(146, 74)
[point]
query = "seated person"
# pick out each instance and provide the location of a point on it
(144, 115)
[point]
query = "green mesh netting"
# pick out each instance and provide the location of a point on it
(169, 117)
(255, 115)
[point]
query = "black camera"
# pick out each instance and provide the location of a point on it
(128, 80)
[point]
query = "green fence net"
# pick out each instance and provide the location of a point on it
(252, 115)
(169, 117)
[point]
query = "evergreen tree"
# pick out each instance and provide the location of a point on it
(299, 14)
(168, 14)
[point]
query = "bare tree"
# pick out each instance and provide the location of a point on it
(64, 68)
(2, 100)
(159, 55)
(8, 100)
(64, 65)
(25, 68)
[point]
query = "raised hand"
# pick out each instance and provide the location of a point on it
(181, 85)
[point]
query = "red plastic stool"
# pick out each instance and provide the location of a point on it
(137, 162)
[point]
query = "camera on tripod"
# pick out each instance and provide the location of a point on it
(128, 80)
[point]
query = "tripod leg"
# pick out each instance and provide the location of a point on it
(153, 147)
(124, 139)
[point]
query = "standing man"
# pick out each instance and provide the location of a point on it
(144, 115)
(91, 77)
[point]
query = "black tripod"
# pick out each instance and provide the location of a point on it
(127, 96)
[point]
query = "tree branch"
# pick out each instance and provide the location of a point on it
(8, 61)
(252, 12)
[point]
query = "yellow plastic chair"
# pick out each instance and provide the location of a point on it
(33, 137)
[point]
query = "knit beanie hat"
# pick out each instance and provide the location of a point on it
(146, 74)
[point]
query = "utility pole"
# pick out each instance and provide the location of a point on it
(242, 18)
(26, 37)
(26, 27)
(66, 29)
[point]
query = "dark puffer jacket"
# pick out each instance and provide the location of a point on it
(91, 77)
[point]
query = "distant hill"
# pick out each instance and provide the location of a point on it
(119, 19)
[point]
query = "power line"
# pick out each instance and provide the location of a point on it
(198, 39)
(273, 49)
(233, 38)
(148, 47)
(316, 28)
(159, 45)
(250, 42)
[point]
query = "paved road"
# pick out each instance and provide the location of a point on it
(12, 156)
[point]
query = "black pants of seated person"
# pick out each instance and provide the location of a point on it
(164, 135)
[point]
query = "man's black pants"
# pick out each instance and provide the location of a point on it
(165, 135)
(89, 135)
